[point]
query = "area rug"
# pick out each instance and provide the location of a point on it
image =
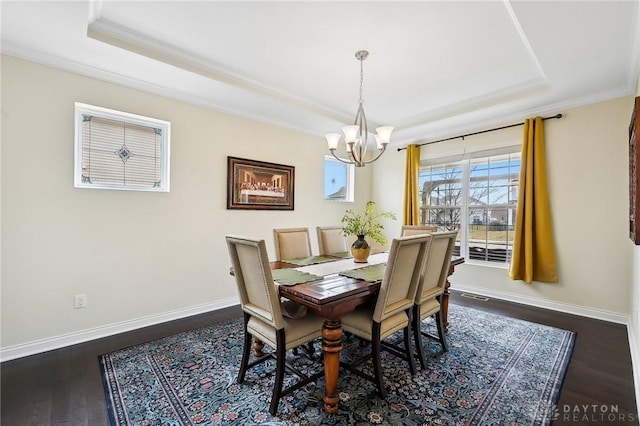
(498, 371)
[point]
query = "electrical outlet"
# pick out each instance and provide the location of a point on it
(80, 301)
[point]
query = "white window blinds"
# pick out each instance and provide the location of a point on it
(121, 151)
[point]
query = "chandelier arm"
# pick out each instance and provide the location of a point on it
(352, 158)
(342, 160)
(376, 157)
(355, 160)
(361, 122)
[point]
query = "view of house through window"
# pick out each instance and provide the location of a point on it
(338, 180)
(477, 196)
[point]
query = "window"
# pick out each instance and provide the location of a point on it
(477, 195)
(118, 150)
(338, 180)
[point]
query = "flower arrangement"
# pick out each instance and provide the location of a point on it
(366, 223)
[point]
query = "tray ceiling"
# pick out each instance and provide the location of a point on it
(434, 69)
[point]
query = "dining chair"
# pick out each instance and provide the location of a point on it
(417, 229)
(263, 317)
(292, 243)
(331, 239)
(430, 289)
(393, 308)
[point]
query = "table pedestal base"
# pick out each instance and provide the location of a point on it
(331, 348)
(257, 347)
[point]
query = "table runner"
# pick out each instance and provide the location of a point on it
(311, 260)
(329, 268)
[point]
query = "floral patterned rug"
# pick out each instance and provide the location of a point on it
(498, 371)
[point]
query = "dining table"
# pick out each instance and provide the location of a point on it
(332, 295)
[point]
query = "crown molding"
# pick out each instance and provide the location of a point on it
(74, 67)
(503, 115)
(117, 35)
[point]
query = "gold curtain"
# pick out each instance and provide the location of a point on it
(534, 255)
(411, 208)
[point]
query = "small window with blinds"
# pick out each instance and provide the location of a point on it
(118, 150)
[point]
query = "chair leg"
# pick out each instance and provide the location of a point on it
(417, 336)
(280, 367)
(441, 333)
(311, 351)
(409, 347)
(376, 349)
(245, 351)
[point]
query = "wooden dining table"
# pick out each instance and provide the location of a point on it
(333, 297)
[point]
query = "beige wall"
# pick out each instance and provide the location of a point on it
(587, 153)
(151, 256)
(135, 255)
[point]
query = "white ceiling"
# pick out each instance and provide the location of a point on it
(435, 68)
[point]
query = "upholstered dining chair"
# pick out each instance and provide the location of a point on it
(430, 289)
(392, 310)
(417, 229)
(263, 316)
(292, 243)
(331, 239)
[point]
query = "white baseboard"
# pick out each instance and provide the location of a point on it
(38, 346)
(634, 347)
(546, 304)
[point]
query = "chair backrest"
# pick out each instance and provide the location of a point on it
(331, 239)
(401, 275)
(258, 293)
(417, 230)
(292, 243)
(436, 266)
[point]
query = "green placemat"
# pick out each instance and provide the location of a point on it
(343, 254)
(372, 274)
(292, 277)
(312, 260)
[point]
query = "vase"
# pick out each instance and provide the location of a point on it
(360, 250)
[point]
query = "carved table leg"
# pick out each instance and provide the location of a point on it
(444, 304)
(331, 347)
(257, 347)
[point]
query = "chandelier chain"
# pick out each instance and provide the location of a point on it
(361, 101)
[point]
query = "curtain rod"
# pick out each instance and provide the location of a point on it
(482, 131)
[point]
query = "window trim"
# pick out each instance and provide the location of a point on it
(82, 109)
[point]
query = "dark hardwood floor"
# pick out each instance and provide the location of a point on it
(63, 387)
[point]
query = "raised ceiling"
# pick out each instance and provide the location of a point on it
(435, 68)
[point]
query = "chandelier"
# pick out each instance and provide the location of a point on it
(355, 135)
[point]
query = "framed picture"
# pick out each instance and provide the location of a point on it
(634, 174)
(257, 185)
